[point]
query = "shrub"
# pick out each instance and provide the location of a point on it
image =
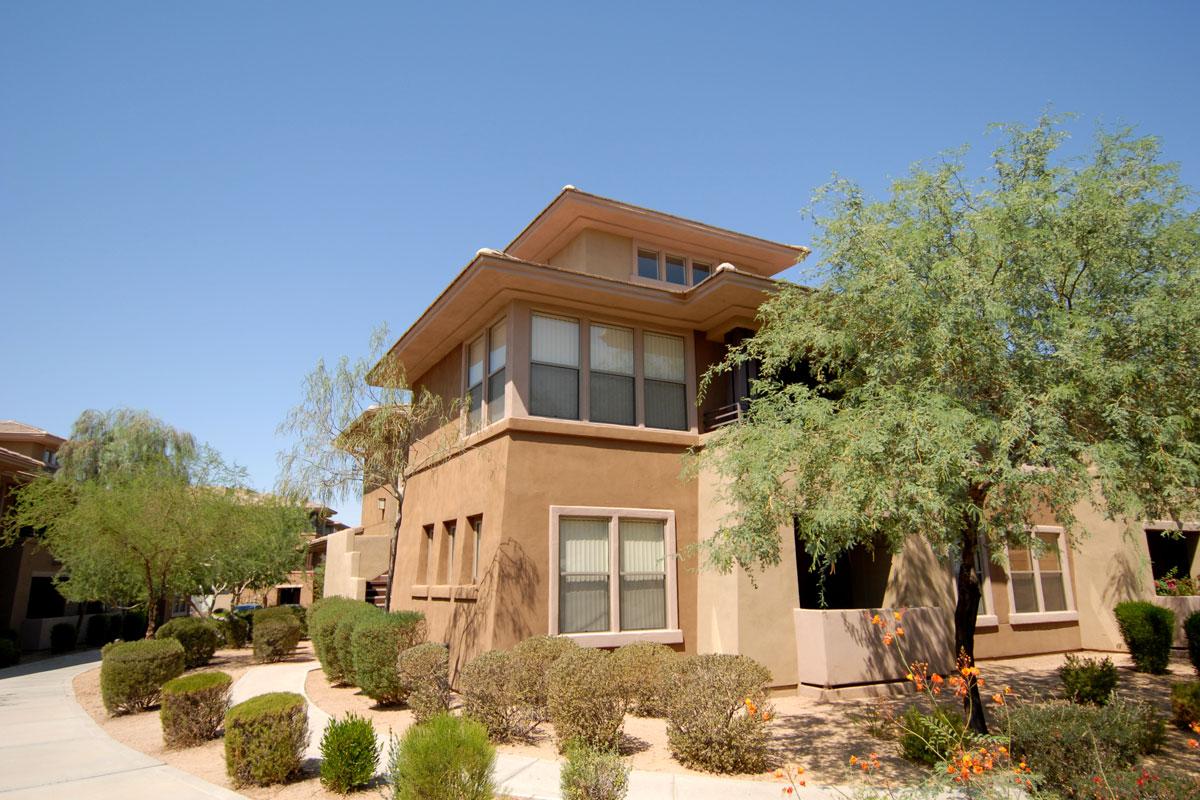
(265, 738)
(99, 631)
(322, 620)
(716, 715)
(278, 612)
(932, 738)
(586, 703)
(532, 660)
(132, 673)
(644, 673)
(9, 653)
(236, 630)
(1065, 740)
(376, 642)
(1139, 783)
(1088, 680)
(590, 774)
(1185, 703)
(198, 636)
(446, 758)
(424, 671)
(133, 626)
(488, 687)
(1191, 629)
(275, 638)
(349, 754)
(342, 653)
(1148, 631)
(63, 637)
(193, 708)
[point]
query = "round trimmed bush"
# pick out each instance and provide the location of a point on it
(265, 738)
(586, 702)
(710, 724)
(376, 642)
(10, 654)
(63, 638)
(349, 754)
(342, 652)
(488, 687)
(1148, 631)
(277, 612)
(424, 671)
(275, 638)
(132, 673)
(644, 671)
(446, 758)
(193, 708)
(532, 660)
(199, 637)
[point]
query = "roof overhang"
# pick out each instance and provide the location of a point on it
(12, 461)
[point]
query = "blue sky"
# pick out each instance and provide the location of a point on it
(198, 201)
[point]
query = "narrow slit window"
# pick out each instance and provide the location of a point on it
(497, 355)
(475, 385)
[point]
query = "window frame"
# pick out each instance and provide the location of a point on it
(615, 637)
(484, 334)
(662, 252)
(1040, 616)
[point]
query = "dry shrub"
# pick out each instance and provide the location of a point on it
(644, 671)
(586, 702)
(717, 713)
(193, 708)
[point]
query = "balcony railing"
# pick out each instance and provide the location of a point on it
(725, 415)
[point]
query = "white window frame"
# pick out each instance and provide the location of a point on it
(615, 637)
(485, 334)
(1035, 617)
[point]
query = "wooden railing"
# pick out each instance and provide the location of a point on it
(725, 415)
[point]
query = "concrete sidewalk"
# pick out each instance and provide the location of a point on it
(51, 748)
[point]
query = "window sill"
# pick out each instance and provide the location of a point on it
(445, 592)
(619, 638)
(420, 591)
(987, 621)
(1040, 617)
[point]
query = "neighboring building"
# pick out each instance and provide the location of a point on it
(559, 505)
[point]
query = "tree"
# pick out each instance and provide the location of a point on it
(355, 430)
(979, 351)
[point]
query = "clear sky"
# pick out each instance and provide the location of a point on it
(198, 201)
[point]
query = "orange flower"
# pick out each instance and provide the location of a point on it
(779, 773)
(876, 620)
(765, 716)
(853, 760)
(787, 790)
(1192, 743)
(887, 638)
(998, 699)
(937, 678)
(1196, 727)
(899, 631)
(897, 615)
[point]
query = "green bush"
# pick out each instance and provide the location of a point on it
(532, 660)
(445, 758)
(275, 638)
(1139, 783)
(932, 738)
(586, 702)
(488, 687)
(99, 631)
(193, 708)
(198, 636)
(235, 628)
(322, 621)
(709, 724)
(343, 639)
(132, 673)
(63, 637)
(10, 654)
(265, 738)
(1063, 741)
(589, 774)
(1185, 703)
(1088, 680)
(133, 626)
(644, 672)
(424, 671)
(349, 754)
(277, 612)
(1148, 631)
(376, 642)
(1191, 629)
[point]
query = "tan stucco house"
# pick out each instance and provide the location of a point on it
(560, 506)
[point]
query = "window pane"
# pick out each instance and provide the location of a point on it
(648, 264)
(643, 574)
(1024, 593)
(1053, 593)
(676, 270)
(981, 566)
(554, 392)
(496, 396)
(475, 363)
(664, 357)
(612, 349)
(700, 272)
(1019, 560)
(583, 603)
(1049, 559)
(643, 602)
(666, 405)
(475, 408)
(499, 349)
(643, 548)
(583, 560)
(583, 545)
(555, 341)
(611, 399)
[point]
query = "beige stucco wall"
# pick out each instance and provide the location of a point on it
(352, 559)
(598, 252)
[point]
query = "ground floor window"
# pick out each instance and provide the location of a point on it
(612, 571)
(1039, 581)
(289, 596)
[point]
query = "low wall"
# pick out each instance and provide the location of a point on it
(842, 648)
(1182, 605)
(351, 559)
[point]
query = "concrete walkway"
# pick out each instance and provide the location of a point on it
(51, 748)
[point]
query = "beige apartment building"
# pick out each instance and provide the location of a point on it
(558, 504)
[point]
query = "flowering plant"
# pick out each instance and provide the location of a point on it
(1170, 585)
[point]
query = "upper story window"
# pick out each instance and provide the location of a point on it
(611, 390)
(486, 357)
(680, 270)
(497, 355)
(554, 367)
(666, 381)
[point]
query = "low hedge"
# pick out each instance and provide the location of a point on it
(342, 651)
(349, 754)
(644, 670)
(235, 627)
(445, 758)
(1148, 631)
(323, 621)
(585, 701)
(276, 612)
(717, 713)
(63, 637)
(488, 686)
(199, 637)
(532, 660)
(265, 738)
(275, 638)
(424, 671)
(132, 673)
(376, 642)
(193, 708)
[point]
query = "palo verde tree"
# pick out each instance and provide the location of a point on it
(981, 350)
(355, 429)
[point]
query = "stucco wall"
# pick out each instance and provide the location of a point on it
(598, 252)
(352, 559)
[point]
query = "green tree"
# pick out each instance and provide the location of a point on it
(355, 429)
(979, 350)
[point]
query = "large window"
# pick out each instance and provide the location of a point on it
(497, 355)
(613, 575)
(666, 381)
(554, 372)
(486, 376)
(1039, 584)
(611, 377)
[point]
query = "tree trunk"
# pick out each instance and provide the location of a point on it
(152, 604)
(391, 569)
(966, 611)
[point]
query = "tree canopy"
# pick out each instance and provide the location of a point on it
(981, 348)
